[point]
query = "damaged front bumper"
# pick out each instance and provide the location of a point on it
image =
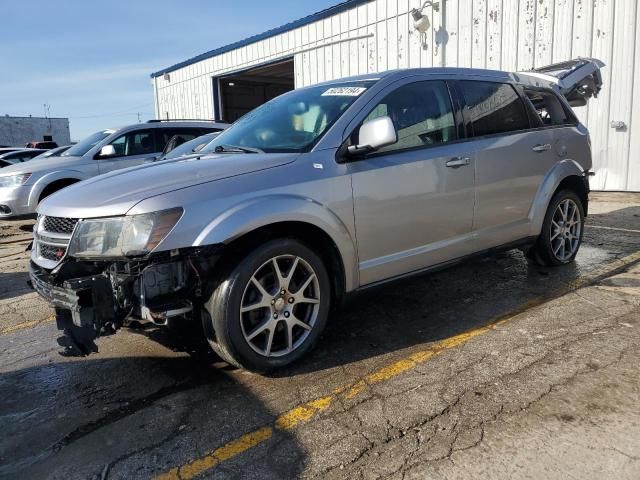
(89, 300)
(97, 298)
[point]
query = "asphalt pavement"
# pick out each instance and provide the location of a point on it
(496, 368)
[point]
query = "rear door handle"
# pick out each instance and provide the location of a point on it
(458, 162)
(542, 148)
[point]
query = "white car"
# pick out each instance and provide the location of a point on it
(23, 186)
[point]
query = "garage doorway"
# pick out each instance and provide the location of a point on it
(243, 91)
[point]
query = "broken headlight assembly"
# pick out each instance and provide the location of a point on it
(122, 237)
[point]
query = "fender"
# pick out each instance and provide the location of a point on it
(48, 179)
(561, 170)
(264, 211)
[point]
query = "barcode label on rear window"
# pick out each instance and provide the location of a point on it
(344, 92)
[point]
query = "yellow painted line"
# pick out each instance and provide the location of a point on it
(25, 325)
(230, 450)
(307, 411)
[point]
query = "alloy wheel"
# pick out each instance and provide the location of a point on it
(280, 306)
(566, 230)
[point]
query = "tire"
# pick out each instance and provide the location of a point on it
(279, 323)
(559, 242)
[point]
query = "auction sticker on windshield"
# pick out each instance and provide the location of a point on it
(344, 92)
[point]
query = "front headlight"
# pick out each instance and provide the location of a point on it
(127, 236)
(14, 180)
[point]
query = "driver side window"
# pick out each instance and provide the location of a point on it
(134, 143)
(421, 113)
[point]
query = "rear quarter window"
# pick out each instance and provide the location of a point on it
(493, 108)
(549, 108)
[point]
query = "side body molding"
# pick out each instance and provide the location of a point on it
(260, 212)
(552, 179)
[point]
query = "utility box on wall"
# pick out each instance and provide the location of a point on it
(18, 131)
(368, 36)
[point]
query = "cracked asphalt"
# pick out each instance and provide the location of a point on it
(492, 369)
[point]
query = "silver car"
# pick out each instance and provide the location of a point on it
(24, 186)
(321, 192)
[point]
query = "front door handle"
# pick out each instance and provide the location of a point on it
(542, 148)
(458, 162)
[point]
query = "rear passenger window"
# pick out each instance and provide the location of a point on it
(421, 113)
(493, 108)
(548, 107)
(186, 134)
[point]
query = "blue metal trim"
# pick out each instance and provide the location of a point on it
(254, 66)
(329, 12)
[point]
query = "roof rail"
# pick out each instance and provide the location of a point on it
(182, 120)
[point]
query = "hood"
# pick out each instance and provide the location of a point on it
(117, 192)
(40, 165)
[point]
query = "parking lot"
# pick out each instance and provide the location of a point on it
(492, 369)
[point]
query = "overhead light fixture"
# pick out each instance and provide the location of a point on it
(420, 21)
(231, 84)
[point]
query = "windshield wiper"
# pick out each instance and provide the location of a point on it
(236, 149)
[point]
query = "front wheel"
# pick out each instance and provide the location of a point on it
(271, 308)
(562, 230)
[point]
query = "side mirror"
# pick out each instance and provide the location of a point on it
(107, 151)
(373, 135)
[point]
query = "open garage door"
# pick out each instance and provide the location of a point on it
(243, 91)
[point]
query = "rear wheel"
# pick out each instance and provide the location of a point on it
(562, 230)
(271, 308)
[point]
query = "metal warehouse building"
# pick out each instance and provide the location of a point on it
(368, 36)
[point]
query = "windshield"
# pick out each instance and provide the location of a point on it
(192, 146)
(87, 144)
(56, 152)
(293, 122)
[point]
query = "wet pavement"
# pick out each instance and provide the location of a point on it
(492, 369)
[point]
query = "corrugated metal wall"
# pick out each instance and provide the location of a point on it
(500, 34)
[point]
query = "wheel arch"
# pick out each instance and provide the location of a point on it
(565, 174)
(53, 178)
(287, 216)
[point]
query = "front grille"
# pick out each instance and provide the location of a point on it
(59, 225)
(52, 239)
(52, 253)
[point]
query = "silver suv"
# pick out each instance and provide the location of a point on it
(24, 186)
(321, 192)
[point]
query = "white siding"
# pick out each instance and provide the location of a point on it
(499, 34)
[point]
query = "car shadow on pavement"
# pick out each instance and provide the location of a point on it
(627, 217)
(427, 308)
(433, 307)
(134, 417)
